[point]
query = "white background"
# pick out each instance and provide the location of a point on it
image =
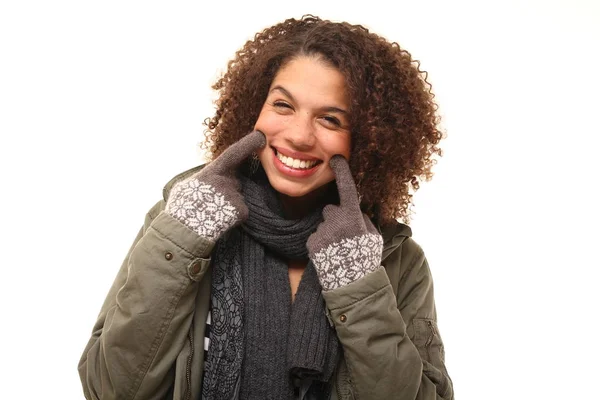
(102, 102)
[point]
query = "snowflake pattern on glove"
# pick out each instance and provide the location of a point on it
(201, 208)
(348, 260)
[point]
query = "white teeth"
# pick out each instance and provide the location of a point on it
(295, 163)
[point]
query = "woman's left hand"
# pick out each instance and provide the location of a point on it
(346, 246)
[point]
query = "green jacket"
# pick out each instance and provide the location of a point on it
(148, 341)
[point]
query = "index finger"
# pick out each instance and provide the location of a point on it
(235, 154)
(344, 181)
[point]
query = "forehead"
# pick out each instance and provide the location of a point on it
(308, 77)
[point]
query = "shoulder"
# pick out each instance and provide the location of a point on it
(402, 255)
(396, 236)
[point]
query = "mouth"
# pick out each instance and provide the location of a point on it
(296, 163)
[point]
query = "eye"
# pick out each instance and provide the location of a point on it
(332, 121)
(281, 104)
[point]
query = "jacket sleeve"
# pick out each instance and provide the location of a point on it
(391, 343)
(147, 313)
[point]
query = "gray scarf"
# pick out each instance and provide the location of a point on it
(262, 345)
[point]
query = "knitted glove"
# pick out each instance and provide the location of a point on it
(209, 202)
(346, 246)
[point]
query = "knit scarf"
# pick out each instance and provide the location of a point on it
(261, 344)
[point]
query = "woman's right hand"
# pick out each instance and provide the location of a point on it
(209, 202)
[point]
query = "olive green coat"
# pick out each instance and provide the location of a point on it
(148, 341)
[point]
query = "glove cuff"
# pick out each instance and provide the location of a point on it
(202, 208)
(348, 260)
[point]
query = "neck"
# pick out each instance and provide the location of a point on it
(299, 207)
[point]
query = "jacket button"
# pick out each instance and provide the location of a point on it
(168, 256)
(343, 318)
(196, 267)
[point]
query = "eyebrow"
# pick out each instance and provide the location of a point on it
(289, 95)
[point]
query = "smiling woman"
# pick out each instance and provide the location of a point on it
(279, 270)
(305, 121)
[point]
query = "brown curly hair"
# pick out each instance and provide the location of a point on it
(393, 115)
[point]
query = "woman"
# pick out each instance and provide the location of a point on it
(278, 271)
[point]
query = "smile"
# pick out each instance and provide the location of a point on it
(295, 167)
(296, 163)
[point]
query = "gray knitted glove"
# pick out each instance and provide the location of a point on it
(346, 246)
(209, 202)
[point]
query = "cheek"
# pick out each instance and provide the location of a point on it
(270, 123)
(337, 143)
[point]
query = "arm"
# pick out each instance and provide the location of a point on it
(147, 313)
(392, 347)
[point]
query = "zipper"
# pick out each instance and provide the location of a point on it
(343, 375)
(337, 387)
(430, 324)
(188, 370)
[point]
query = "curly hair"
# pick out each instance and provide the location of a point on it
(393, 115)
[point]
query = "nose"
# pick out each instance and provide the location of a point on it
(301, 133)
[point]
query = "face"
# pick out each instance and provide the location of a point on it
(305, 119)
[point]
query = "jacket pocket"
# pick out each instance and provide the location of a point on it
(428, 341)
(431, 348)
